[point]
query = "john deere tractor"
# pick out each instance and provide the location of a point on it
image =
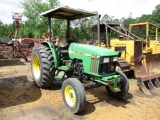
(78, 66)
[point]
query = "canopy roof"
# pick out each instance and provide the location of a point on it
(67, 13)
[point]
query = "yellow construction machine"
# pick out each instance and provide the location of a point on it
(149, 33)
(137, 52)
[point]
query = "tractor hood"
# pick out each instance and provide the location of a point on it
(89, 50)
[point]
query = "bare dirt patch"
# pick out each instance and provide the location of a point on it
(20, 99)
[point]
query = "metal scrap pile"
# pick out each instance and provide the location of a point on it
(17, 48)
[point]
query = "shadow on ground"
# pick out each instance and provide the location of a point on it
(17, 90)
(100, 97)
(10, 62)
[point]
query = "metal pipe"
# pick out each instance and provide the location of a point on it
(147, 35)
(49, 29)
(91, 85)
(16, 33)
(156, 33)
(129, 32)
(98, 28)
(107, 40)
(120, 32)
(68, 29)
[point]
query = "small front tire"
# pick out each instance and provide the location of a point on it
(73, 95)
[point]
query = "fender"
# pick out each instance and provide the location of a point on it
(54, 54)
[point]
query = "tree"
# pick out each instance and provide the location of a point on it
(1, 23)
(156, 14)
(36, 26)
(128, 21)
(112, 19)
(145, 18)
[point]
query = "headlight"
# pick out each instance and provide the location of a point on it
(105, 60)
(115, 58)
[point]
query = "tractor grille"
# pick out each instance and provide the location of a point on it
(94, 65)
(107, 68)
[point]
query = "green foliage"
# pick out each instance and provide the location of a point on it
(82, 29)
(145, 18)
(35, 26)
(128, 21)
(6, 30)
(112, 19)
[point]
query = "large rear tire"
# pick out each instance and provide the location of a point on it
(73, 94)
(42, 66)
(123, 85)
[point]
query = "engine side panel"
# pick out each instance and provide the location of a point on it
(90, 56)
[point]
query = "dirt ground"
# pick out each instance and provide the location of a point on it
(20, 99)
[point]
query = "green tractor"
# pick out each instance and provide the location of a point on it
(78, 66)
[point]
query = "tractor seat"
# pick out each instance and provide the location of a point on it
(61, 42)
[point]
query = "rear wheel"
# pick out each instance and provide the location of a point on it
(123, 86)
(42, 66)
(73, 94)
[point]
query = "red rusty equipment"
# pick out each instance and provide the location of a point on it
(12, 48)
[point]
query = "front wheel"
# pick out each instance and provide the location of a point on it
(73, 94)
(123, 86)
